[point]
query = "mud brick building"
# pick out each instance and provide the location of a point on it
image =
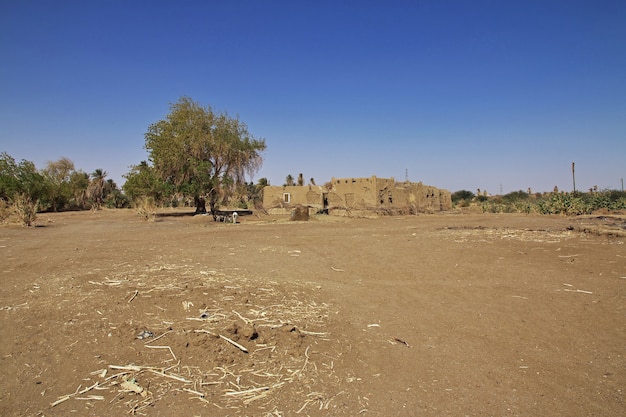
(359, 196)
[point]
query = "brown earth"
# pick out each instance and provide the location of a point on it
(103, 314)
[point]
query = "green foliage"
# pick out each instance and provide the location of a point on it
(202, 153)
(515, 196)
(462, 195)
(462, 198)
(97, 189)
(9, 177)
(568, 204)
(57, 187)
(142, 181)
(116, 199)
(20, 179)
(77, 185)
(57, 175)
(22, 187)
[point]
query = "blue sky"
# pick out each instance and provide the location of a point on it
(496, 95)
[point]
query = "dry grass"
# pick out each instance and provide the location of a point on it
(146, 208)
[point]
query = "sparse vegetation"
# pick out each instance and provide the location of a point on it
(568, 204)
(25, 209)
(146, 208)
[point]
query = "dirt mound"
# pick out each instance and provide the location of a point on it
(300, 213)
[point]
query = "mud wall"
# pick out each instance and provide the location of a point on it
(382, 195)
(287, 196)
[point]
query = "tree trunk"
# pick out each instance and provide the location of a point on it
(200, 205)
(212, 208)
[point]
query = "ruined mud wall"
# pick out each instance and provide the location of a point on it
(343, 196)
(387, 196)
(287, 196)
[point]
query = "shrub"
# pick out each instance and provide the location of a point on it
(515, 196)
(462, 196)
(25, 209)
(146, 208)
(5, 211)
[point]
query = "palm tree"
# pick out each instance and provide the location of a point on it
(96, 189)
(289, 180)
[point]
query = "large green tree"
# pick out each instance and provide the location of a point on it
(142, 181)
(20, 179)
(202, 153)
(57, 173)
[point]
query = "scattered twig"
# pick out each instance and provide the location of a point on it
(583, 291)
(89, 388)
(61, 400)
(245, 320)
(256, 397)
(312, 333)
(163, 347)
(198, 393)
(134, 295)
(306, 359)
(158, 337)
(126, 368)
(395, 339)
(171, 376)
(65, 397)
(248, 391)
(336, 269)
(91, 397)
(237, 345)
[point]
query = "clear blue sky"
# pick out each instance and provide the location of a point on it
(497, 95)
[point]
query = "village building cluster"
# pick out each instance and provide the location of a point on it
(358, 197)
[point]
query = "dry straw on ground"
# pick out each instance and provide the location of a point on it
(234, 341)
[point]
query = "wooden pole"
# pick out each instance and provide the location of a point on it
(573, 177)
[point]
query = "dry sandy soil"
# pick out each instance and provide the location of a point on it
(103, 314)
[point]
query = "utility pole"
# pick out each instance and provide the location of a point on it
(573, 177)
(622, 184)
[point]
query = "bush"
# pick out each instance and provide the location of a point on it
(462, 196)
(5, 211)
(146, 208)
(515, 196)
(568, 204)
(25, 209)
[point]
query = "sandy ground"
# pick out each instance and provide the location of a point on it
(102, 314)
